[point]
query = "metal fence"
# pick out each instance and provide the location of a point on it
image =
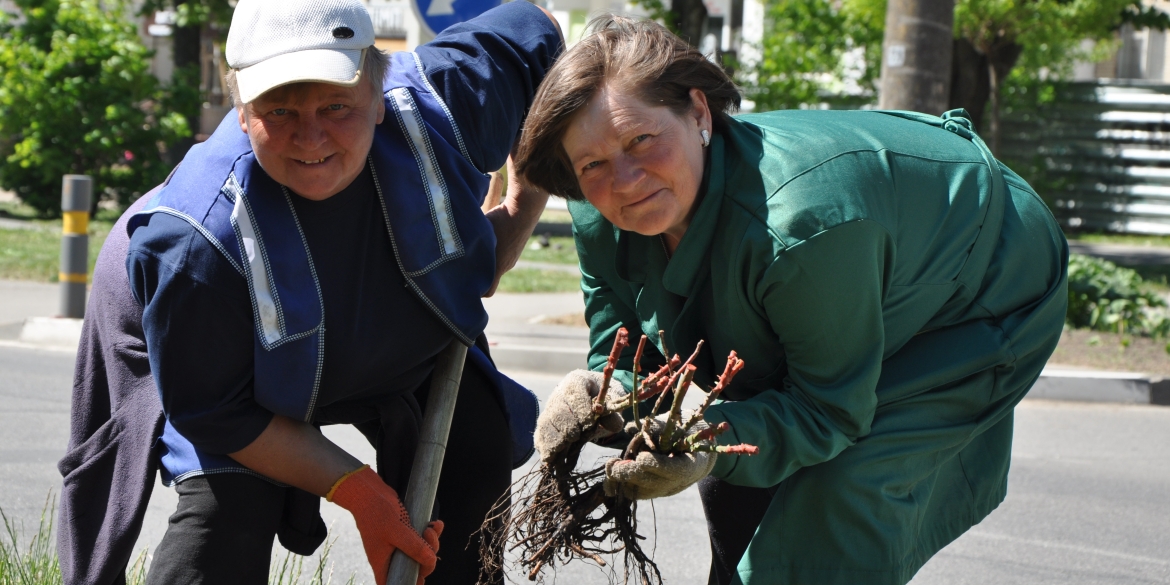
(1099, 154)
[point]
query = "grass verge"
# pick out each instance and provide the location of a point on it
(1121, 239)
(529, 280)
(35, 253)
(560, 250)
(36, 563)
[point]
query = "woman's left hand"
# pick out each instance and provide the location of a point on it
(656, 475)
(652, 475)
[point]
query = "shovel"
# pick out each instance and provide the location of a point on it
(428, 460)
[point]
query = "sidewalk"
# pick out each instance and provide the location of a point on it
(521, 342)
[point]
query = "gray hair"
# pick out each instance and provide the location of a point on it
(374, 69)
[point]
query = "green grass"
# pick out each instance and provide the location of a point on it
(528, 280)
(36, 562)
(17, 210)
(559, 251)
(556, 216)
(35, 254)
(1121, 239)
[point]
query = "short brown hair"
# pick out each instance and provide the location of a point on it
(374, 68)
(637, 56)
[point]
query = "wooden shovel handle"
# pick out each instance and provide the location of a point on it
(428, 460)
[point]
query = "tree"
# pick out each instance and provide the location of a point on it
(685, 18)
(916, 71)
(186, 87)
(1004, 49)
(1007, 46)
(803, 57)
(77, 97)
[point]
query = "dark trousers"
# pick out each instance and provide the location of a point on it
(223, 529)
(733, 513)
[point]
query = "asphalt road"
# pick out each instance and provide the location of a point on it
(1088, 502)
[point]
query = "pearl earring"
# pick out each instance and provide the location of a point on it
(706, 137)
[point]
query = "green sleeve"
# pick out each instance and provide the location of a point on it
(607, 307)
(823, 298)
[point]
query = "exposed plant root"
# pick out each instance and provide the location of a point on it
(557, 513)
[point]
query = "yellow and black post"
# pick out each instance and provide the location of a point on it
(76, 194)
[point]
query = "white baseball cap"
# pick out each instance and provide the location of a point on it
(277, 42)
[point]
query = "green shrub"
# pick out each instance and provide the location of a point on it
(1107, 297)
(77, 97)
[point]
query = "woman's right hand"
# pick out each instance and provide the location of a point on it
(569, 412)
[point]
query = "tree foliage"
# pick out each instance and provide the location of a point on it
(187, 89)
(1021, 46)
(803, 57)
(1028, 42)
(77, 97)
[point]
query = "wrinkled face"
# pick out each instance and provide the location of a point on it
(640, 165)
(313, 137)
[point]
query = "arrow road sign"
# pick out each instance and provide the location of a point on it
(440, 14)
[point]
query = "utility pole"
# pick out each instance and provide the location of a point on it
(916, 55)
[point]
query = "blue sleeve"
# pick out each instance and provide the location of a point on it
(487, 70)
(197, 320)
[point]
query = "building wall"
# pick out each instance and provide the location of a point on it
(1144, 54)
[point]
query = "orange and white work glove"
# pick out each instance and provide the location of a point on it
(384, 524)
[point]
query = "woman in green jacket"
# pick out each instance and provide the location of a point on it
(892, 288)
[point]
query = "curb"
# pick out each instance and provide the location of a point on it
(532, 358)
(1055, 383)
(1096, 386)
(54, 332)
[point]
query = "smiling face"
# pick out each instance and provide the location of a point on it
(639, 165)
(313, 137)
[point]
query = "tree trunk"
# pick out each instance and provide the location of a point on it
(916, 55)
(1001, 57)
(970, 81)
(690, 19)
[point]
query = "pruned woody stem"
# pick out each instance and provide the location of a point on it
(561, 513)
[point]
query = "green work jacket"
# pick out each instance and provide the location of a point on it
(893, 290)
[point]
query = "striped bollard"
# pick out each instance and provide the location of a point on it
(76, 194)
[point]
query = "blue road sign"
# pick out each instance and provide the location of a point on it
(440, 14)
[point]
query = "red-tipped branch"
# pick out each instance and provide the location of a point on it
(741, 449)
(658, 381)
(620, 342)
(707, 434)
(733, 367)
(637, 370)
(663, 384)
(662, 345)
(674, 377)
(672, 421)
(650, 386)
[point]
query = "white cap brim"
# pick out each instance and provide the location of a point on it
(338, 67)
